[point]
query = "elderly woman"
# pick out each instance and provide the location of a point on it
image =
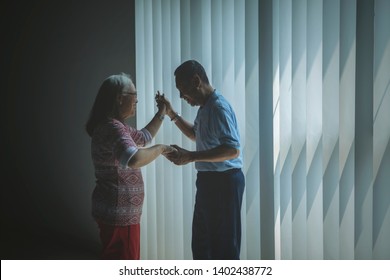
(117, 157)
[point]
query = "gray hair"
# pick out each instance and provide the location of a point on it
(105, 101)
(118, 82)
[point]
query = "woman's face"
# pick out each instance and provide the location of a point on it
(128, 102)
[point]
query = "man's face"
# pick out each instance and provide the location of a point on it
(187, 92)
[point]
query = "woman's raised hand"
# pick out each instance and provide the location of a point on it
(161, 99)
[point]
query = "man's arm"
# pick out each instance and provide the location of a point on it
(217, 154)
(186, 127)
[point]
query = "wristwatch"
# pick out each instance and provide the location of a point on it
(160, 117)
(176, 117)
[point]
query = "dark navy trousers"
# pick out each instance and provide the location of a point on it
(216, 226)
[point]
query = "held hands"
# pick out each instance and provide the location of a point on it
(180, 156)
(173, 153)
(162, 108)
(163, 101)
(168, 151)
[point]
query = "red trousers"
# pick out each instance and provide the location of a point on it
(120, 242)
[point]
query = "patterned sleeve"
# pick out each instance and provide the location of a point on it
(126, 156)
(141, 137)
(124, 145)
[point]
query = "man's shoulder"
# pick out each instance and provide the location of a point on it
(221, 103)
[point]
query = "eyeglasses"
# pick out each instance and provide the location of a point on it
(129, 93)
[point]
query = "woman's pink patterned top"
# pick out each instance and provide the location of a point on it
(119, 192)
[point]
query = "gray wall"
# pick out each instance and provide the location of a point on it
(56, 55)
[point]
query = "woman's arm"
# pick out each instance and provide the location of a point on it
(145, 156)
(217, 154)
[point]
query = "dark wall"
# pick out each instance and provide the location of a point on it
(56, 55)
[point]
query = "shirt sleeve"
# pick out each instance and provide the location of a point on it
(129, 139)
(141, 137)
(124, 145)
(224, 125)
(126, 156)
(148, 137)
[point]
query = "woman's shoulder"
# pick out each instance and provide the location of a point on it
(114, 123)
(112, 126)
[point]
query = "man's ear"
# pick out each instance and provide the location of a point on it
(196, 81)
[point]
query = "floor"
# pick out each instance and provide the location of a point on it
(15, 246)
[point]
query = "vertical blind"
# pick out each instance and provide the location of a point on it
(309, 82)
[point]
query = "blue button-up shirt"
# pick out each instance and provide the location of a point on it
(215, 125)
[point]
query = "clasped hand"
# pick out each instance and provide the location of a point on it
(179, 156)
(161, 103)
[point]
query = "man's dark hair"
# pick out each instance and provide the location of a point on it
(188, 69)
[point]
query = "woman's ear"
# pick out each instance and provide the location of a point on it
(119, 99)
